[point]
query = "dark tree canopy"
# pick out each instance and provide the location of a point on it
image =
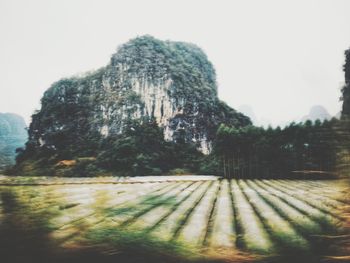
(346, 88)
(253, 152)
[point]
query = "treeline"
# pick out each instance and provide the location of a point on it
(248, 152)
(142, 150)
(346, 88)
(253, 152)
(139, 150)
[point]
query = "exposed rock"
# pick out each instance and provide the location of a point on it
(172, 82)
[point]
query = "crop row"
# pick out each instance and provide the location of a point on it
(264, 216)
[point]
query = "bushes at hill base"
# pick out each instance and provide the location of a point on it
(249, 152)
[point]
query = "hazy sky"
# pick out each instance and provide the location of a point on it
(280, 57)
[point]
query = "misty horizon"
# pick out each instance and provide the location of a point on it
(264, 57)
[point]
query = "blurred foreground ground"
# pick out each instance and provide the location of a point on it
(172, 219)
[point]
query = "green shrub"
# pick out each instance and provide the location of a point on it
(178, 171)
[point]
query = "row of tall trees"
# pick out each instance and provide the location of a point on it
(346, 88)
(257, 152)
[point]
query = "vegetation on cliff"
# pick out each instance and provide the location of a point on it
(154, 110)
(160, 90)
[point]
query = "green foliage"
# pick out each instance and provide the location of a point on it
(186, 63)
(210, 165)
(256, 152)
(141, 150)
(146, 247)
(193, 82)
(346, 89)
(178, 171)
(63, 128)
(135, 152)
(76, 111)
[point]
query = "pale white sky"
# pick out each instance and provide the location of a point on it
(280, 57)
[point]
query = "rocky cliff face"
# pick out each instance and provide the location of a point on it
(172, 82)
(12, 135)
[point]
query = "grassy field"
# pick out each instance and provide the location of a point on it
(171, 219)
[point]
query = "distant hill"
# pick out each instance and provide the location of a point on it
(248, 111)
(257, 121)
(170, 84)
(12, 135)
(317, 112)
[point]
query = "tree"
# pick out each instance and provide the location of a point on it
(346, 89)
